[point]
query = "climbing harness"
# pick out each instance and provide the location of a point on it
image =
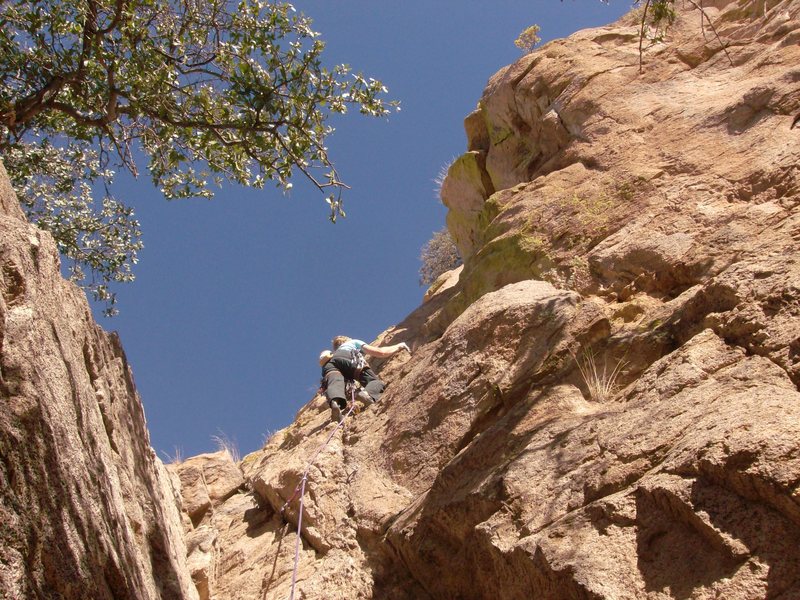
(359, 363)
(301, 487)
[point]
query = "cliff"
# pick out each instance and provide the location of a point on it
(646, 221)
(642, 223)
(86, 509)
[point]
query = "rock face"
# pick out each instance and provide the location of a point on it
(601, 404)
(86, 509)
(641, 220)
(205, 483)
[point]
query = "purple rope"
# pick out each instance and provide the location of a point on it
(302, 488)
(297, 542)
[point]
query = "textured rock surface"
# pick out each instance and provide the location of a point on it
(645, 218)
(86, 509)
(649, 220)
(205, 482)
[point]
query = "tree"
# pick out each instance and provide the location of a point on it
(206, 90)
(528, 39)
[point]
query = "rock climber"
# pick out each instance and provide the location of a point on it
(347, 362)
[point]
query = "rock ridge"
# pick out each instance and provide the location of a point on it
(87, 510)
(639, 223)
(608, 217)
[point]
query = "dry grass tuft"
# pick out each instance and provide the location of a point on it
(176, 458)
(601, 382)
(226, 445)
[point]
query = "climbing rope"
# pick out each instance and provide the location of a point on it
(301, 487)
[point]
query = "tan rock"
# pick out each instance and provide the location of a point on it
(207, 480)
(87, 510)
(194, 493)
(608, 217)
(643, 220)
(477, 133)
(464, 192)
(444, 282)
(604, 503)
(200, 546)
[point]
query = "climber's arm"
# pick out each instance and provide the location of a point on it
(384, 351)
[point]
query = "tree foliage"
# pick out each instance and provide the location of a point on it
(528, 39)
(657, 16)
(54, 188)
(206, 90)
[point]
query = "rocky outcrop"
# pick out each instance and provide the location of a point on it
(205, 483)
(86, 509)
(601, 403)
(608, 217)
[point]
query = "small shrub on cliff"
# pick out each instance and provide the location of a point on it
(438, 181)
(438, 256)
(662, 15)
(528, 39)
(176, 458)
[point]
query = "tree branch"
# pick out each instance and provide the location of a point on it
(29, 107)
(115, 20)
(641, 35)
(713, 29)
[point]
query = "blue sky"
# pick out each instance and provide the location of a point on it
(235, 297)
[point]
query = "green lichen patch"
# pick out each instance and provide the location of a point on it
(544, 230)
(505, 260)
